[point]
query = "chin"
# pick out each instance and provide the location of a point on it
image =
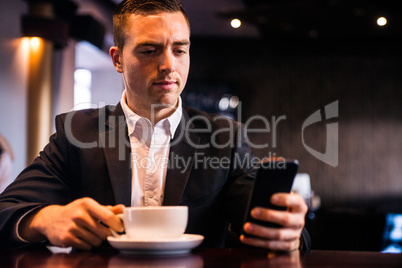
(162, 105)
(168, 101)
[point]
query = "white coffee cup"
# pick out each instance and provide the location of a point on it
(155, 223)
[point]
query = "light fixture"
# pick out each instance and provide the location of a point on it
(234, 102)
(224, 104)
(61, 23)
(51, 29)
(235, 23)
(381, 21)
(35, 42)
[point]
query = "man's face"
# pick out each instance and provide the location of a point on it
(155, 59)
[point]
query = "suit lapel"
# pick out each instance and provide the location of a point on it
(116, 147)
(181, 159)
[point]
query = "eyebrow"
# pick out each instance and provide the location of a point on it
(177, 43)
(182, 43)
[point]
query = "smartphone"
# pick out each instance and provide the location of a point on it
(272, 177)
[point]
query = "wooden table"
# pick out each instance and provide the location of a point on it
(221, 258)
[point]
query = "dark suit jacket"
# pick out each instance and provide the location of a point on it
(89, 156)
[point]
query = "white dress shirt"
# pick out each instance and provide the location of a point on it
(149, 154)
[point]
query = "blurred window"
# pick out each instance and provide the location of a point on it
(82, 89)
(393, 234)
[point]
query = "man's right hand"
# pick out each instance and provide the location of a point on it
(80, 224)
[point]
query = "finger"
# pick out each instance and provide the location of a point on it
(273, 159)
(84, 220)
(87, 237)
(294, 202)
(78, 243)
(286, 234)
(103, 214)
(112, 221)
(284, 218)
(94, 226)
(271, 244)
(71, 237)
(117, 209)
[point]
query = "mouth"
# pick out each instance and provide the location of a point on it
(166, 85)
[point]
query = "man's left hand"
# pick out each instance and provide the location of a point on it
(292, 220)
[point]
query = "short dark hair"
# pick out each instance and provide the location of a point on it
(142, 7)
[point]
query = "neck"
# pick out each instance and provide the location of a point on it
(154, 113)
(157, 114)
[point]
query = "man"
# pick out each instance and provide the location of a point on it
(71, 193)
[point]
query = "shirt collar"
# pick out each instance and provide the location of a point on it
(132, 118)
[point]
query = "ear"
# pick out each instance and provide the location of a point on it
(116, 56)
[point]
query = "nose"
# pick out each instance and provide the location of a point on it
(167, 63)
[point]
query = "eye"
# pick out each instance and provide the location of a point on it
(180, 51)
(148, 52)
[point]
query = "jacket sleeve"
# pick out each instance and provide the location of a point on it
(43, 182)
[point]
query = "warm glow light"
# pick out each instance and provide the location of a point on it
(381, 21)
(25, 43)
(236, 23)
(35, 42)
(36, 47)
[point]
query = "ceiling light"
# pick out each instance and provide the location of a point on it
(234, 102)
(381, 21)
(236, 23)
(224, 104)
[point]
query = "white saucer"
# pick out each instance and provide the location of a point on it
(180, 245)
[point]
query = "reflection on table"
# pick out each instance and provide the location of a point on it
(244, 258)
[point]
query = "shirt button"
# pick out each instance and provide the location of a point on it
(151, 194)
